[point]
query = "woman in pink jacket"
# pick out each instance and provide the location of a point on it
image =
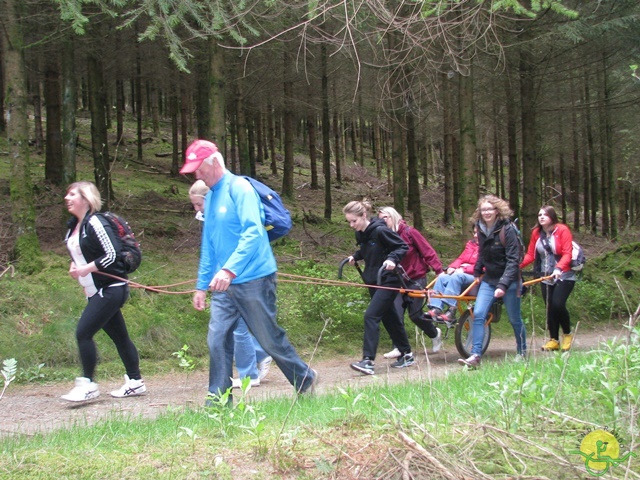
(455, 280)
(550, 251)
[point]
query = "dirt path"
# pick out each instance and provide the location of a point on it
(38, 408)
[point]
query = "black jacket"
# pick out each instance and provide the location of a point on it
(501, 263)
(99, 243)
(377, 244)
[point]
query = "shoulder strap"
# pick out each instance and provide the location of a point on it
(502, 234)
(544, 240)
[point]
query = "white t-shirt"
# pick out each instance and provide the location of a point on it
(86, 282)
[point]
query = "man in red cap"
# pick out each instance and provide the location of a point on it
(238, 267)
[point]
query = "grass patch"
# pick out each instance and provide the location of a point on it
(504, 420)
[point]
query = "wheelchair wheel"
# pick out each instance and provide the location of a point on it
(463, 336)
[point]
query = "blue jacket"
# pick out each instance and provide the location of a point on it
(234, 237)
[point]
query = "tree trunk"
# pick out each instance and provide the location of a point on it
(155, 108)
(413, 174)
(561, 164)
(609, 195)
(259, 137)
(593, 186)
(34, 86)
(311, 129)
(241, 132)
(272, 139)
(23, 214)
(138, 98)
(202, 94)
(217, 97)
(99, 141)
(530, 160)
(512, 148)
(53, 166)
(289, 134)
(184, 123)
(574, 178)
(69, 104)
(469, 175)
(447, 149)
(326, 147)
(175, 152)
(120, 111)
(251, 150)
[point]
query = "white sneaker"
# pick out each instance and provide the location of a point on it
(83, 390)
(519, 358)
(131, 388)
(437, 342)
(395, 353)
(263, 367)
(237, 382)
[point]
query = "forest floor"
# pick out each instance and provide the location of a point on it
(33, 408)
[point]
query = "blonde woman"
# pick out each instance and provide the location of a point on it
(420, 258)
(94, 247)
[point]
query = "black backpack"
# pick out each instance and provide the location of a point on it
(130, 253)
(502, 233)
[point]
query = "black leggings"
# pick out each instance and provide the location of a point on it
(103, 312)
(382, 309)
(555, 298)
(414, 305)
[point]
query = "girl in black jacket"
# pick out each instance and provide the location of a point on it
(94, 247)
(498, 267)
(378, 246)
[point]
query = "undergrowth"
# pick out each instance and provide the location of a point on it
(504, 420)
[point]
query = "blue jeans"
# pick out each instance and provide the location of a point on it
(453, 284)
(255, 302)
(248, 351)
(483, 304)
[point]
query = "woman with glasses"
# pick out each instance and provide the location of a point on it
(498, 268)
(550, 250)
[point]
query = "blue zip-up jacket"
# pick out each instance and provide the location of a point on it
(234, 237)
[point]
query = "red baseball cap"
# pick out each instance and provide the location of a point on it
(197, 153)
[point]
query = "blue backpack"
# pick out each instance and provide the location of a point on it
(277, 219)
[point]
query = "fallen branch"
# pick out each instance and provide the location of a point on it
(10, 267)
(411, 443)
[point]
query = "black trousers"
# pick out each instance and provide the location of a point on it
(103, 312)
(382, 309)
(555, 298)
(413, 306)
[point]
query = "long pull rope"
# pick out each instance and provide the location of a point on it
(304, 280)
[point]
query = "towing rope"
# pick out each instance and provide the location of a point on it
(304, 280)
(282, 277)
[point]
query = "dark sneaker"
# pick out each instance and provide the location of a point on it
(472, 362)
(364, 366)
(405, 360)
